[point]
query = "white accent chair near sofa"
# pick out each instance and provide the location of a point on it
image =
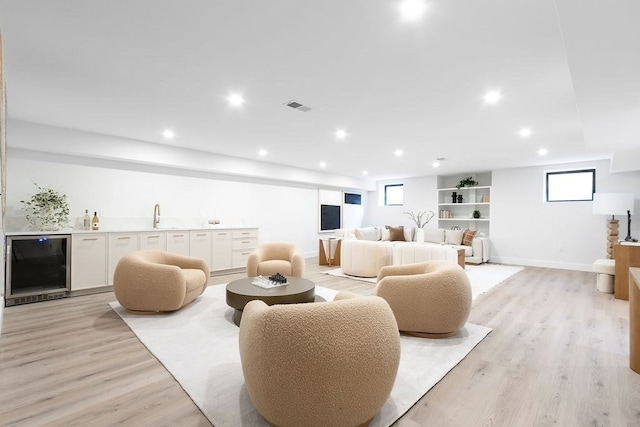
(328, 364)
(276, 257)
(430, 299)
(159, 281)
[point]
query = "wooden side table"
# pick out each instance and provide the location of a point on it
(329, 251)
(626, 254)
(461, 258)
(634, 319)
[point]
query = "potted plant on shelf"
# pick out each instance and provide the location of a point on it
(421, 219)
(47, 210)
(467, 182)
(476, 214)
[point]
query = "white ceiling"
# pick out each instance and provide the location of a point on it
(568, 69)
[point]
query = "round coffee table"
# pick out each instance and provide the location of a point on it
(241, 291)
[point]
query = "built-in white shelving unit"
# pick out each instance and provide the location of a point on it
(460, 212)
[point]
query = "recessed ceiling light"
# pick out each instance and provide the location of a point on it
(323, 164)
(543, 152)
(412, 10)
(262, 153)
(435, 164)
(168, 133)
(398, 153)
(341, 134)
(525, 132)
(235, 100)
(492, 97)
(365, 172)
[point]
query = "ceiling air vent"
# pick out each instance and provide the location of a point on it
(296, 105)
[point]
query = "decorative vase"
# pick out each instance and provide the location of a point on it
(454, 197)
(420, 235)
(459, 198)
(476, 214)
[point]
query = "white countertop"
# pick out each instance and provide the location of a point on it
(136, 230)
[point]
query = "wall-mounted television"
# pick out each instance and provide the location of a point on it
(329, 217)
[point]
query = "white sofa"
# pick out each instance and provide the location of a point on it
(411, 253)
(364, 251)
(364, 258)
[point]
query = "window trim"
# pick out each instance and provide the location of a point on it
(566, 172)
(385, 194)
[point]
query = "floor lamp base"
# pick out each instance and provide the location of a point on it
(612, 236)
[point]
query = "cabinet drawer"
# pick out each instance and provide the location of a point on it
(242, 233)
(240, 258)
(244, 243)
(153, 241)
(222, 235)
(178, 242)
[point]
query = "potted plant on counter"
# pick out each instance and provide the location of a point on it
(47, 210)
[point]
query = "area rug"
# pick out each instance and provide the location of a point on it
(483, 277)
(199, 347)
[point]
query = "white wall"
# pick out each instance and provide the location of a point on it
(524, 229)
(419, 195)
(527, 231)
(124, 187)
(127, 197)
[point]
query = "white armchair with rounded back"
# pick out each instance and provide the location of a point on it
(271, 258)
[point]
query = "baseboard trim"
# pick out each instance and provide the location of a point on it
(541, 263)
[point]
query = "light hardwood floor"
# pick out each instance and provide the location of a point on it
(558, 355)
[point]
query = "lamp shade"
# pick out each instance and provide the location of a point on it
(613, 203)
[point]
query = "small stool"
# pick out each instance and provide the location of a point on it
(605, 269)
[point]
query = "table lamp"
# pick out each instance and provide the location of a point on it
(614, 204)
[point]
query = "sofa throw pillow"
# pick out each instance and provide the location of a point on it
(396, 233)
(467, 236)
(385, 234)
(367, 233)
(453, 237)
(409, 232)
(434, 235)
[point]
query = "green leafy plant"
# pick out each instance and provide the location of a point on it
(47, 209)
(421, 218)
(468, 182)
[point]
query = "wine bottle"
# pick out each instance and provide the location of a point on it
(86, 223)
(95, 222)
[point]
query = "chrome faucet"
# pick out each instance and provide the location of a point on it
(156, 215)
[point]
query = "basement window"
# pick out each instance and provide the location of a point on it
(393, 195)
(570, 186)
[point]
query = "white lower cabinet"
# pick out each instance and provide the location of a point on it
(120, 244)
(178, 242)
(221, 250)
(244, 241)
(88, 261)
(153, 241)
(200, 245)
(232, 247)
(95, 255)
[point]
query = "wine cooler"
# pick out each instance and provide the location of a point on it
(37, 268)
